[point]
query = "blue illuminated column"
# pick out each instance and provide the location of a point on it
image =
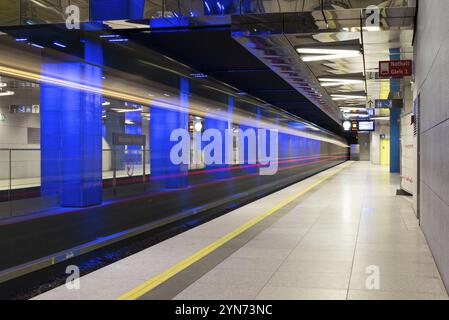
(284, 146)
(116, 9)
(283, 143)
(295, 147)
(249, 148)
(71, 131)
(395, 161)
(219, 169)
(395, 114)
(162, 123)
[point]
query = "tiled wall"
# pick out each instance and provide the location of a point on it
(432, 83)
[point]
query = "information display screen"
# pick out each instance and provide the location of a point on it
(366, 126)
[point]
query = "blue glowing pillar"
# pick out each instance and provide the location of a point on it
(283, 143)
(395, 161)
(247, 147)
(295, 147)
(162, 123)
(116, 9)
(71, 132)
(222, 125)
(395, 114)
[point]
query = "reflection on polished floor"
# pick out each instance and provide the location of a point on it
(322, 248)
(350, 237)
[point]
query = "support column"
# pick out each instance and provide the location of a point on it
(226, 146)
(395, 161)
(395, 114)
(71, 131)
(247, 146)
(162, 123)
(218, 170)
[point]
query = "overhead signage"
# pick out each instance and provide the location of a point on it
(370, 103)
(122, 139)
(389, 103)
(359, 125)
(366, 126)
(395, 68)
(35, 108)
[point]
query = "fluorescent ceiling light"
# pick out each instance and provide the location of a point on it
(2, 84)
(340, 80)
(346, 97)
(37, 46)
(330, 82)
(59, 44)
(317, 54)
(109, 36)
(355, 115)
(336, 84)
(330, 56)
(106, 103)
(6, 93)
(125, 110)
(352, 108)
(118, 40)
(325, 51)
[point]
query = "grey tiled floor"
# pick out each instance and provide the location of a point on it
(322, 248)
(319, 249)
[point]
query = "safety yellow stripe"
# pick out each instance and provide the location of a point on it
(170, 272)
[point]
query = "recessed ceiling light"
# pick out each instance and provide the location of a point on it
(324, 51)
(318, 54)
(332, 82)
(37, 46)
(59, 44)
(125, 110)
(346, 97)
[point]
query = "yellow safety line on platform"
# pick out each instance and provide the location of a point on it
(170, 272)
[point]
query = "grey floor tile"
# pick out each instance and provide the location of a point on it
(208, 291)
(310, 280)
(400, 283)
(392, 295)
(315, 266)
(288, 293)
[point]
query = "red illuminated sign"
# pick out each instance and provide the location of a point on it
(395, 68)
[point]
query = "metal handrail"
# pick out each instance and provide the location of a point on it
(144, 152)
